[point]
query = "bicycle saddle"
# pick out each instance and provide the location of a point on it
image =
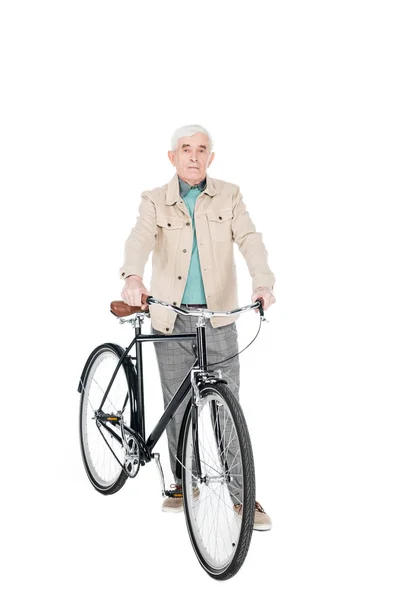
(119, 308)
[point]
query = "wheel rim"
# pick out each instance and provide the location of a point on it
(103, 466)
(215, 525)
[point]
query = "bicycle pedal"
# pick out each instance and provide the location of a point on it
(173, 494)
(109, 417)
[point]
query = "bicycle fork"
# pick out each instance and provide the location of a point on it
(195, 441)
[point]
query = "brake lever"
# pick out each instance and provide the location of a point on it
(261, 309)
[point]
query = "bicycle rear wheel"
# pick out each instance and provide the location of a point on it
(103, 455)
(220, 535)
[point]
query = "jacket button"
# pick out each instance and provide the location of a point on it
(220, 218)
(169, 224)
(188, 223)
(122, 274)
(167, 329)
(184, 250)
(174, 303)
(179, 277)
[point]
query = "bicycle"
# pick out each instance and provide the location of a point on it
(214, 455)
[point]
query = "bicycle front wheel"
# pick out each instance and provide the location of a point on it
(219, 507)
(102, 452)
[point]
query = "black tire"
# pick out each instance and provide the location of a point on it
(91, 441)
(228, 464)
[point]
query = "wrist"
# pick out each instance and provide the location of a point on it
(134, 277)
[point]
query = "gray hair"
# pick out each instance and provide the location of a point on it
(187, 131)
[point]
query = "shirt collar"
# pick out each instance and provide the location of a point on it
(185, 187)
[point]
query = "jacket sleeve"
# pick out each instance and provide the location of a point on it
(250, 244)
(141, 240)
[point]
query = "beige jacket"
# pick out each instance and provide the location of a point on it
(164, 226)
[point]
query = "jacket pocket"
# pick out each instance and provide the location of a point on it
(220, 223)
(169, 222)
(168, 229)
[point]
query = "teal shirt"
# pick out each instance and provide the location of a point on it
(194, 290)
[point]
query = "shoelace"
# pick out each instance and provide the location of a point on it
(257, 507)
(177, 488)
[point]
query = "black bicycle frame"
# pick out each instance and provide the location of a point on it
(176, 401)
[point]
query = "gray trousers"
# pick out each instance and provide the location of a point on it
(175, 358)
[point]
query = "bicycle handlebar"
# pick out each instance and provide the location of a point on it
(122, 310)
(207, 312)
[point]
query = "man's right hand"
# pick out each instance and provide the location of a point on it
(133, 290)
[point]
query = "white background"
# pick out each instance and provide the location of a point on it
(302, 100)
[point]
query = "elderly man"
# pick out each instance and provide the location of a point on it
(190, 224)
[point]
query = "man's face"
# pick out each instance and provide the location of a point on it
(192, 158)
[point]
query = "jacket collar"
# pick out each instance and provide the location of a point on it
(173, 189)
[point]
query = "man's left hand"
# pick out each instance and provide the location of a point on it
(265, 294)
